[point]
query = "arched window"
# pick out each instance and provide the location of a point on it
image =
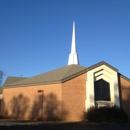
(102, 90)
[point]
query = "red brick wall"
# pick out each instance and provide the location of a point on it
(125, 94)
(26, 102)
(73, 97)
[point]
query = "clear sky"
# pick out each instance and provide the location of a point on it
(35, 35)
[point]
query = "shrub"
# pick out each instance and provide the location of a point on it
(1, 117)
(106, 114)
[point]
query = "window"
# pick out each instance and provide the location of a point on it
(102, 90)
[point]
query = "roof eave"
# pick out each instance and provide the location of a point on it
(99, 64)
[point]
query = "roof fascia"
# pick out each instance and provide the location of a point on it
(99, 64)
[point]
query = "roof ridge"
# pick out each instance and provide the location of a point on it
(67, 71)
(71, 68)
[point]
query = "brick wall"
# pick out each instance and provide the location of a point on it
(64, 101)
(125, 94)
(26, 102)
(73, 97)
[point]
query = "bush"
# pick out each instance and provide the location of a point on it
(106, 114)
(1, 117)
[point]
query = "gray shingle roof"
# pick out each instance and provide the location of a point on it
(58, 75)
(12, 79)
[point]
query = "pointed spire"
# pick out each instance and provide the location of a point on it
(73, 57)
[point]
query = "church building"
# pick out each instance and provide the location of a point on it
(65, 93)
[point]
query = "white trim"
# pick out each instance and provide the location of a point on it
(109, 75)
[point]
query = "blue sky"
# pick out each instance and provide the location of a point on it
(35, 35)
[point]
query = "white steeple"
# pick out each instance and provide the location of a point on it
(73, 56)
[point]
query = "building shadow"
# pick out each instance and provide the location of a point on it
(19, 106)
(16, 108)
(35, 111)
(3, 112)
(52, 108)
(47, 108)
(42, 107)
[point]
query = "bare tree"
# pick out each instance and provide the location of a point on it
(1, 76)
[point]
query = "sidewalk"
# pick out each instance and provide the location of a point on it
(59, 125)
(12, 122)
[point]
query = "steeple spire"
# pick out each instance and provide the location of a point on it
(73, 56)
